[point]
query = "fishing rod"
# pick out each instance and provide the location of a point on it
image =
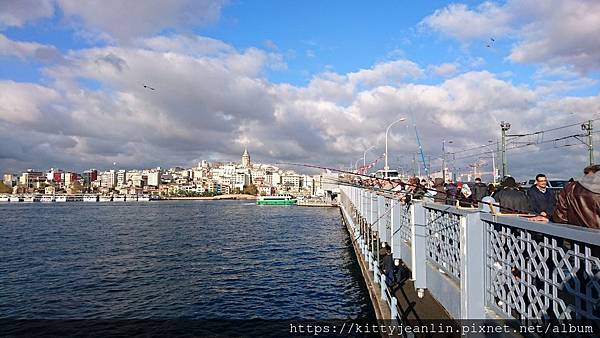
(398, 202)
(396, 183)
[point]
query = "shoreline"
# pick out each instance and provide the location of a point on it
(228, 197)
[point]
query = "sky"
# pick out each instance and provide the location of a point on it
(297, 81)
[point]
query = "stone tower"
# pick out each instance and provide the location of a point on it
(246, 159)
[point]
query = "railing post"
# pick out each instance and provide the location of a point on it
(472, 268)
(382, 216)
(394, 308)
(395, 231)
(382, 286)
(419, 245)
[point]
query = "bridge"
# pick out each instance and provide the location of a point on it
(467, 264)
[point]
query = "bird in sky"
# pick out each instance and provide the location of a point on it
(148, 87)
(491, 44)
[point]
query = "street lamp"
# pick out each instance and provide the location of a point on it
(493, 161)
(365, 155)
(444, 159)
(387, 130)
(356, 164)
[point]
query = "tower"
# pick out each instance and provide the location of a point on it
(246, 159)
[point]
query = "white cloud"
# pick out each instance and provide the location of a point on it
(17, 13)
(460, 22)
(209, 100)
(27, 50)
(392, 72)
(127, 20)
(444, 69)
(553, 33)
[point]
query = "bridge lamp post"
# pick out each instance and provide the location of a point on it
(387, 130)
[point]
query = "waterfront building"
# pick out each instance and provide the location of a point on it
(31, 178)
(153, 178)
(291, 182)
(50, 190)
(9, 180)
(108, 179)
(70, 178)
(89, 176)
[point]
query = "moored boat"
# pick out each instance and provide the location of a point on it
(131, 198)
(15, 198)
(31, 198)
(105, 198)
(143, 198)
(276, 200)
(118, 198)
(48, 198)
(60, 198)
(90, 198)
(4, 198)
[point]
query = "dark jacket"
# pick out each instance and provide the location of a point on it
(451, 192)
(512, 200)
(480, 190)
(464, 201)
(579, 203)
(440, 196)
(541, 202)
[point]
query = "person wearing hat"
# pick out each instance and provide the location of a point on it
(511, 198)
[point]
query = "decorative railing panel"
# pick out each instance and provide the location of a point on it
(535, 275)
(443, 240)
(405, 222)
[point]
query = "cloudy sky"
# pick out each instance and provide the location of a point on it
(304, 81)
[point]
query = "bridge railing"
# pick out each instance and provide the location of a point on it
(479, 265)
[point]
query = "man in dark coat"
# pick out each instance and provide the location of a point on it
(451, 192)
(480, 190)
(511, 198)
(388, 268)
(440, 192)
(541, 199)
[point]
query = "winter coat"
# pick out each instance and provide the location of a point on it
(579, 203)
(512, 200)
(451, 192)
(480, 190)
(440, 196)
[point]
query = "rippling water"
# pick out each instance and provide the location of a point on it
(180, 259)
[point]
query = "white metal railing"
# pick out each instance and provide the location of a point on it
(479, 265)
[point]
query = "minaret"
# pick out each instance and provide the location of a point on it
(246, 159)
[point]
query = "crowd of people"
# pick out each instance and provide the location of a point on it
(577, 203)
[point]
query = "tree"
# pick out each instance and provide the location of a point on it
(250, 189)
(4, 189)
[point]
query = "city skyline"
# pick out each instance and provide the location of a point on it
(85, 84)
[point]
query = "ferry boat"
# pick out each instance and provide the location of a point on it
(276, 200)
(14, 198)
(60, 198)
(105, 198)
(31, 198)
(4, 198)
(48, 198)
(143, 198)
(90, 198)
(118, 198)
(131, 198)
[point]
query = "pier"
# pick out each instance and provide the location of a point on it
(467, 264)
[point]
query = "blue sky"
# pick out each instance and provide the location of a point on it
(326, 74)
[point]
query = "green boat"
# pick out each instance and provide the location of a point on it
(276, 200)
